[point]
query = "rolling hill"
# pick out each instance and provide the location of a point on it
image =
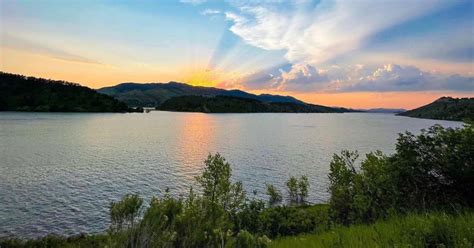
(231, 104)
(21, 93)
(182, 97)
(153, 94)
(445, 108)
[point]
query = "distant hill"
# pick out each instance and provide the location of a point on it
(445, 108)
(21, 93)
(153, 94)
(231, 104)
(384, 110)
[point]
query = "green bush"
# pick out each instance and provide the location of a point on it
(249, 217)
(413, 230)
(297, 189)
(245, 239)
(434, 170)
(291, 220)
(303, 188)
(124, 213)
(274, 194)
(292, 185)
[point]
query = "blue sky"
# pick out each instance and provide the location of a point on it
(300, 47)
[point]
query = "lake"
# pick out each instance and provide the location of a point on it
(60, 171)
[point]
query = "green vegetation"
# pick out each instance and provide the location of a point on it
(124, 214)
(421, 196)
(175, 96)
(274, 194)
(153, 94)
(413, 230)
(445, 108)
(20, 93)
(433, 170)
(298, 189)
(230, 104)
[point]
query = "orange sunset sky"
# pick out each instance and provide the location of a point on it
(321, 52)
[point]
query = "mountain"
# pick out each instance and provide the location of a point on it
(21, 93)
(445, 108)
(384, 110)
(232, 104)
(153, 94)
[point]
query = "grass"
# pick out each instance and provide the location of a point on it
(414, 230)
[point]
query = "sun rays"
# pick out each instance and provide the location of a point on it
(228, 63)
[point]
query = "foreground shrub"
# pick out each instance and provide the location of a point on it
(413, 230)
(297, 189)
(303, 188)
(274, 194)
(288, 220)
(124, 213)
(433, 170)
(54, 241)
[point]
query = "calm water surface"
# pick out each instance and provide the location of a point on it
(59, 172)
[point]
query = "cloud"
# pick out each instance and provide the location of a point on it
(313, 35)
(390, 77)
(264, 79)
(316, 33)
(393, 77)
(193, 2)
(358, 78)
(210, 12)
(299, 77)
(265, 30)
(42, 49)
(303, 77)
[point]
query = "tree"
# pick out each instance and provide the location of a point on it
(341, 181)
(430, 171)
(124, 213)
(292, 185)
(303, 186)
(215, 179)
(222, 198)
(274, 194)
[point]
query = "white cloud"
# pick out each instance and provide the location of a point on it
(193, 2)
(302, 77)
(265, 30)
(393, 77)
(315, 35)
(358, 78)
(23, 44)
(210, 12)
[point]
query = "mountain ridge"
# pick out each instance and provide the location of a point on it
(385, 110)
(154, 94)
(232, 104)
(444, 108)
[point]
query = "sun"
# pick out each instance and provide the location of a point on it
(204, 77)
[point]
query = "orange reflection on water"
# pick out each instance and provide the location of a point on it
(195, 140)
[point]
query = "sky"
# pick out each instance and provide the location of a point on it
(352, 53)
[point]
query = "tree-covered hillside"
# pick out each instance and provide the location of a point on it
(21, 93)
(153, 94)
(228, 104)
(445, 108)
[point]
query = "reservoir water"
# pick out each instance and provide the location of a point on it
(60, 171)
